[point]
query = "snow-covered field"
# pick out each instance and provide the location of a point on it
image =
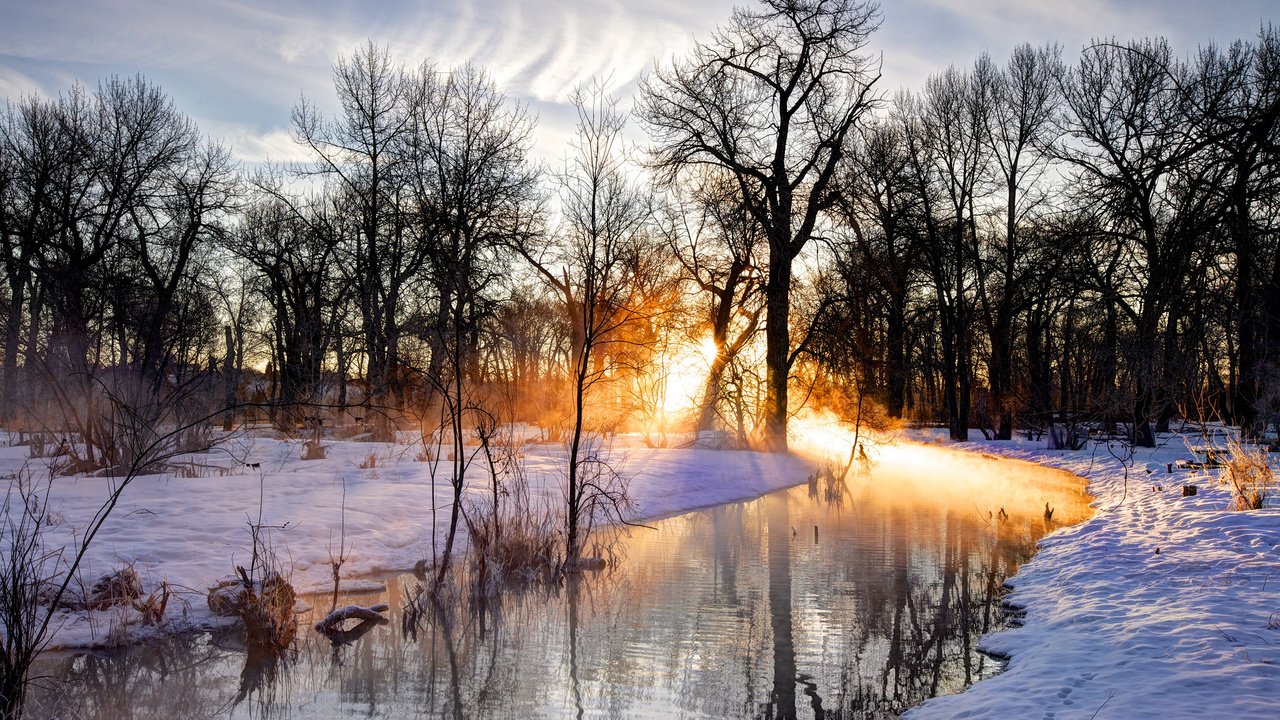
(191, 532)
(1160, 606)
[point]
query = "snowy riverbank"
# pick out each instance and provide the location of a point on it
(1159, 606)
(190, 532)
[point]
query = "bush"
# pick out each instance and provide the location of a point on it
(1248, 470)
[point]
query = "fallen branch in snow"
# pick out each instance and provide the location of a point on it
(333, 621)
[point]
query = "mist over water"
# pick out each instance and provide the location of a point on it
(853, 599)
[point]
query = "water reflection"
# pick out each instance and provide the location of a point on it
(857, 604)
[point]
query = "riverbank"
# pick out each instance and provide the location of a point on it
(189, 532)
(1159, 606)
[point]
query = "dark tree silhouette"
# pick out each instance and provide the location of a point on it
(772, 99)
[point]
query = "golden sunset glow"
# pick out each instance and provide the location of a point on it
(687, 368)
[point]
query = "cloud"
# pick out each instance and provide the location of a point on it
(251, 145)
(238, 66)
(15, 85)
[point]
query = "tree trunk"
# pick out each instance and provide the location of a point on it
(711, 391)
(12, 338)
(1244, 389)
(896, 357)
(229, 379)
(777, 349)
(1002, 372)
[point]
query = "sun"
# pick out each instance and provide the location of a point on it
(687, 369)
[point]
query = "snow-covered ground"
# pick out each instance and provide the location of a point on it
(191, 532)
(1160, 606)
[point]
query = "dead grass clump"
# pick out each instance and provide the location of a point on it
(153, 606)
(521, 549)
(370, 461)
(260, 595)
(1248, 470)
(313, 450)
(513, 539)
(118, 588)
(266, 607)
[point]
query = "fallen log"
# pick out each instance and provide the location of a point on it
(332, 622)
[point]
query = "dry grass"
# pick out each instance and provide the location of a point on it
(1248, 470)
(519, 540)
(263, 598)
(522, 548)
(154, 605)
(313, 450)
(266, 607)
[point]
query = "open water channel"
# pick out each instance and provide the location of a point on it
(853, 600)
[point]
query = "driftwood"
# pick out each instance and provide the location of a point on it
(333, 621)
(346, 637)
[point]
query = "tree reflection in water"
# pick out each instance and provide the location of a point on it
(732, 612)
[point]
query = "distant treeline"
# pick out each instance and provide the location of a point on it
(1021, 239)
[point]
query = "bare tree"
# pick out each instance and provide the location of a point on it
(32, 151)
(1248, 140)
(881, 209)
(1135, 140)
(946, 136)
(1020, 128)
(602, 251)
(110, 209)
(364, 151)
(293, 251)
(473, 191)
(772, 100)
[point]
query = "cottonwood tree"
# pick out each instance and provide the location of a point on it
(293, 249)
(1139, 157)
(771, 99)
(364, 151)
(881, 211)
(169, 240)
(141, 193)
(32, 152)
(947, 146)
(1248, 143)
(470, 191)
(1025, 99)
(473, 190)
(113, 200)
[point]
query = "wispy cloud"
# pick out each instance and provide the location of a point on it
(237, 66)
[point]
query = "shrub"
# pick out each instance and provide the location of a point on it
(1248, 470)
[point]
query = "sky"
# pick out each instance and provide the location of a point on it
(238, 66)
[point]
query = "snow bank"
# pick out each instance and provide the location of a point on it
(1159, 606)
(192, 531)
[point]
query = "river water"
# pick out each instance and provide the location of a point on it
(827, 601)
